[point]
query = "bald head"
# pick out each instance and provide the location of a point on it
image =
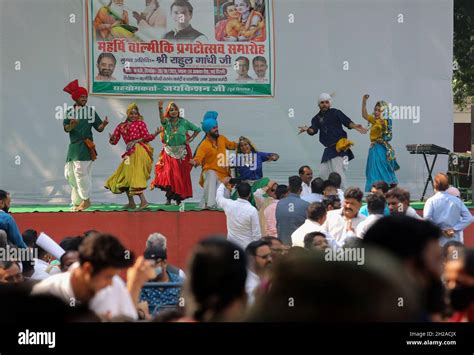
(441, 182)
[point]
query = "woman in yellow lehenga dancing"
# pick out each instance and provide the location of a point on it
(134, 171)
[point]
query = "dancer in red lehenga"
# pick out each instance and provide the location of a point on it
(173, 171)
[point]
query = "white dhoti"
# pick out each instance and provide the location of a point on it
(211, 183)
(335, 165)
(79, 176)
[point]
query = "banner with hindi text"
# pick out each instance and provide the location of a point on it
(187, 48)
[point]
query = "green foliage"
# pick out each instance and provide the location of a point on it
(463, 75)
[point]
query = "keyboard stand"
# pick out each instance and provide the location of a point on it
(430, 172)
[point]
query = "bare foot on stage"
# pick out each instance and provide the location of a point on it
(143, 201)
(131, 202)
(129, 206)
(144, 205)
(85, 204)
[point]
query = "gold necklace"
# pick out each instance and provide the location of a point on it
(175, 126)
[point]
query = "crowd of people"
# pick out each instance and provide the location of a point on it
(312, 249)
(308, 250)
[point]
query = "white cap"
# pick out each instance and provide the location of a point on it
(324, 97)
(48, 244)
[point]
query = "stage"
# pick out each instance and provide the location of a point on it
(183, 227)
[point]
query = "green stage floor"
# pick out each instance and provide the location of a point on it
(417, 205)
(188, 206)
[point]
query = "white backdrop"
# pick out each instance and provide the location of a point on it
(396, 50)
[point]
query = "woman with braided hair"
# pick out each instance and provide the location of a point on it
(381, 162)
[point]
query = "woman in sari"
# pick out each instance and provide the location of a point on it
(134, 171)
(381, 162)
(173, 170)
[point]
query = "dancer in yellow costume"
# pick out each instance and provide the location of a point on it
(133, 173)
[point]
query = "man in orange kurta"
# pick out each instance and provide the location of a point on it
(211, 155)
(109, 16)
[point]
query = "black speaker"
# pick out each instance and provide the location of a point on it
(459, 172)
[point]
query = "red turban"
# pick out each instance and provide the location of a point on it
(75, 90)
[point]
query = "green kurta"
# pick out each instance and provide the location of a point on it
(78, 150)
(176, 135)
